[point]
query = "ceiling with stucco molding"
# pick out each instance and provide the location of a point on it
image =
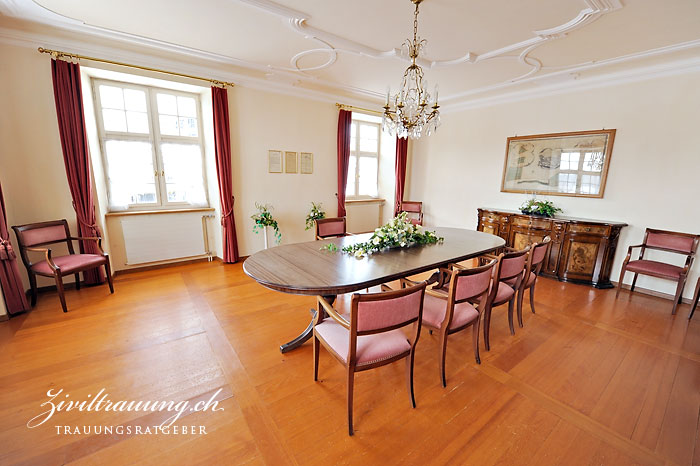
(475, 48)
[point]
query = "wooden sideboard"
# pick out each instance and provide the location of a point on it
(582, 250)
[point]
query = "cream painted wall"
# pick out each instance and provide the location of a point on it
(654, 173)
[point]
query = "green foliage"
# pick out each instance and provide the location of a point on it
(316, 213)
(535, 207)
(332, 247)
(263, 218)
(398, 233)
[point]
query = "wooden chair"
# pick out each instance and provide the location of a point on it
(533, 266)
(662, 240)
(33, 235)
(446, 306)
(696, 298)
(371, 335)
(507, 278)
(413, 207)
(333, 227)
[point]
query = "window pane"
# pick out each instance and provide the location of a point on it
(111, 97)
(353, 134)
(167, 104)
(135, 100)
(593, 161)
(188, 127)
(369, 137)
(114, 120)
(130, 172)
(186, 106)
(350, 187)
(183, 173)
(169, 125)
(137, 122)
(368, 176)
(567, 182)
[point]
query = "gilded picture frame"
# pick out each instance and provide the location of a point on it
(290, 162)
(306, 163)
(274, 161)
(558, 164)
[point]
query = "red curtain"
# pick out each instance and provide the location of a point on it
(68, 95)
(12, 288)
(222, 144)
(401, 155)
(344, 122)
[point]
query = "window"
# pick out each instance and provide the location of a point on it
(151, 141)
(363, 167)
(580, 172)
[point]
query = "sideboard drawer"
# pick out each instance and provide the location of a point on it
(532, 222)
(592, 229)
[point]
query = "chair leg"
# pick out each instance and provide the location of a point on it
(619, 281)
(77, 281)
(521, 296)
(32, 283)
(317, 349)
(475, 337)
(443, 352)
(351, 381)
(487, 325)
(532, 297)
(59, 288)
(510, 315)
(108, 272)
(634, 282)
(696, 298)
(679, 295)
(409, 377)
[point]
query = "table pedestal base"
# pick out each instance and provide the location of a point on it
(307, 333)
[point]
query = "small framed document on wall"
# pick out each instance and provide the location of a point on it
(274, 161)
(290, 162)
(306, 163)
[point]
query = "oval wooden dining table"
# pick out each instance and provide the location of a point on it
(310, 269)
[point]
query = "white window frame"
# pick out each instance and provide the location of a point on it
(154, 137)
(580, 172)
(357, 153)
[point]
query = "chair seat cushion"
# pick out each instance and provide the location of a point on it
(434, 310)
(659, 268)
(504, 294)
(69, 263)
(370, 348)
(530, 280)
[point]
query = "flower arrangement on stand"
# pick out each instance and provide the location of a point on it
(399, 232)
(263, 219)
(316, 213)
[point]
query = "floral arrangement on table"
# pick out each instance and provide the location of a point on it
(398, 233)
(542, 208)
(316, 213)
(263, 218)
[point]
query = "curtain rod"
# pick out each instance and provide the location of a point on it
(59, 54)
(350, 107)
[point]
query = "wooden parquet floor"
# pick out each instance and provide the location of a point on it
(588, 380)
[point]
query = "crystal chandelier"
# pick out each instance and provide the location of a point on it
(414, 111)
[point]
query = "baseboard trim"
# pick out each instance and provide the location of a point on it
(146, 268)
(655, 293)
(4, 317)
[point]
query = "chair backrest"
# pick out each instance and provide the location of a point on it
(381, 312)
(42, 234)
(511, 264)
(413, 207)
(330, 227)
(466, 284)
(673, 241)
(538, 252)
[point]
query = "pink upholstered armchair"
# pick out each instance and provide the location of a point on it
(371, 335)
(662, 240)
(31, 236)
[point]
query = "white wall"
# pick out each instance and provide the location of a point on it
(654, 173)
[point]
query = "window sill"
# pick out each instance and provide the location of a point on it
(372, 200)
(160, 211)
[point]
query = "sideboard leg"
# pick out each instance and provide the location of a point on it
(307, 333)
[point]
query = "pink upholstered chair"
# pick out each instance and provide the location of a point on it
(661, 240)
(507, 278)
(446, 306)
(415, 211)
(33, 235)
(533, 266)
(371, 335)
(334, 227)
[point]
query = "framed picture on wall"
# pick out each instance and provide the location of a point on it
(274, 161)
(290, 162)
(558, 164)
(306, 163)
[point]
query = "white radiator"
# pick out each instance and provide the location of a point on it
(162, 237)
